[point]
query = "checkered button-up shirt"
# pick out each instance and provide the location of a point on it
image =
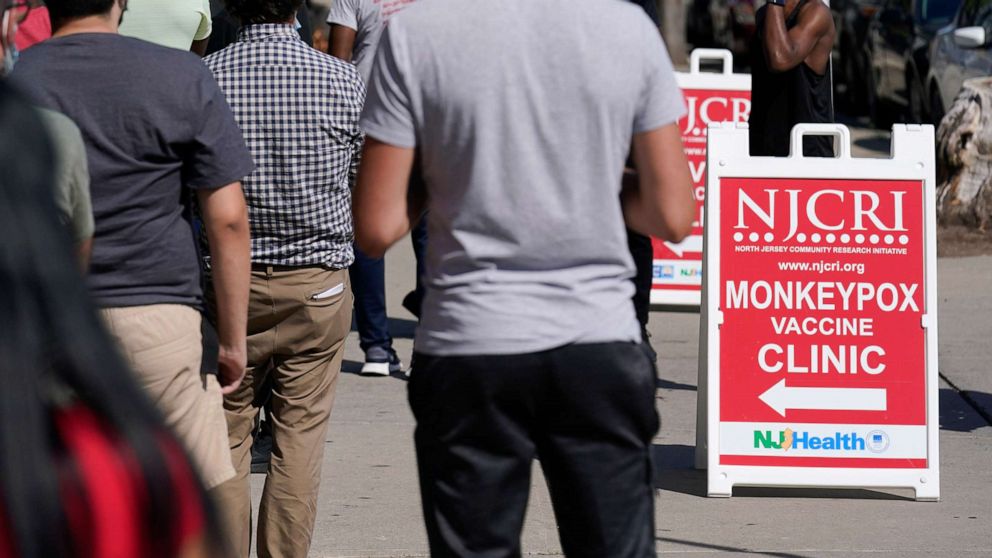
(298, 109)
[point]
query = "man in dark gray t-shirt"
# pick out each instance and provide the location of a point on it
(157, 130)
(523, 113)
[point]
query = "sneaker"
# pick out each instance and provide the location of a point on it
(261, 449)
(381, 361)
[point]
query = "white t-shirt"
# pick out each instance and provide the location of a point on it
(523, 112)
(170, 23)
(368, 18)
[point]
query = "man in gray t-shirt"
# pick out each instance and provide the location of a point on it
(356, 26)
(523, 113)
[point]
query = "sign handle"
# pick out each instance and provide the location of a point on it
(701, 54)
(840, 133)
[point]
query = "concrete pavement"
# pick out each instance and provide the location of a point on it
(370, 507)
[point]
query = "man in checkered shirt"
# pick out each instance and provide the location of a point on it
(298, 109)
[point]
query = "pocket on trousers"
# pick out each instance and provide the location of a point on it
(328, 294)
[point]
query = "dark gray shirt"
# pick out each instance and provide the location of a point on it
(155, 124)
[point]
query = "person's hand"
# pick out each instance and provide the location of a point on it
(231, 366)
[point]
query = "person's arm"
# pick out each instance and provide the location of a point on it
(383, 205)
(201, 39)
(225, 218)
(84, 249)
(660, 203)
(199, 47)
(787, 48)
(342, 42)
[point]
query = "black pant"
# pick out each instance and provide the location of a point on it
(642, 251)
(586, 411)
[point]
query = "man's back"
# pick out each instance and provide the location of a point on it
(299, 196)
(153, 121)
(523, 130)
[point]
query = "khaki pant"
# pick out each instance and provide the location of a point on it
(297, 324)
(162, 343)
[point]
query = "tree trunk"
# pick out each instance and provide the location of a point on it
(964, 158)
(673, 30)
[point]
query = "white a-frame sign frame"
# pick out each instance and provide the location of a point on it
(732, 462)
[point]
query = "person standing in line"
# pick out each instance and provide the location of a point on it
(89, 468)
(640, 246)
(299, 111)
(356, 26)
(72, 176)
(182, 24)
(790, 69)
(528, 345)
(157, 130)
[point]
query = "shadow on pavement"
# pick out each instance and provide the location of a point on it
(879, 144)
(723, 548)
(674, 470)
(399, 328)
(662, 383)
(964, 411)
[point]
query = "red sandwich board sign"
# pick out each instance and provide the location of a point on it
(820, 321)
(710, 97)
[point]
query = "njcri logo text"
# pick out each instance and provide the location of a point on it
(823, 210)
(785, 440)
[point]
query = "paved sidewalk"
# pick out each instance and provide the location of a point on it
(369, 504)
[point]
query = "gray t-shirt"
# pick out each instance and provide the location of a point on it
(523, 112)
(368, 18)
(156, 126)
(72, 175)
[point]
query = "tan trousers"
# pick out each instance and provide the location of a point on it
(163, 346)
(297, 324)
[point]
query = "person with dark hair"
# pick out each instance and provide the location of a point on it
(790, 75)
(528, 345)
(299, 312)
(157, 131)
(89, 469)
(72, 177)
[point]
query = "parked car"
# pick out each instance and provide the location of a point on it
(851, 19)
(899, 37)
(961, 51)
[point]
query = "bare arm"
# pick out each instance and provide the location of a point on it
(199, 48)
(84, 248)
(342, 42)
(787, 48)
(660, 203)
(383, 204)
(225, 219)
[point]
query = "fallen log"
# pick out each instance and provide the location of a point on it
(964, 158)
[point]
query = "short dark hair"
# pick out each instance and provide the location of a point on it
(62, 10)
(262, 11)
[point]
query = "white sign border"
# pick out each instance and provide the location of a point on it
(912, 158)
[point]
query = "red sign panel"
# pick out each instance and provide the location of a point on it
(679, 267)
(822, 352)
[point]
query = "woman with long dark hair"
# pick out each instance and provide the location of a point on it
(87, 467)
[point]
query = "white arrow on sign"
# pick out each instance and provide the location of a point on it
(781, 397)
(691, 244)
